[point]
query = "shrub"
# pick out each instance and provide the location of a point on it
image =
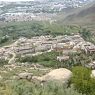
(3, 62)
(23, 87)
(82, 80)
(26, 59)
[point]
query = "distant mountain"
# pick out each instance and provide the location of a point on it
(84, 17)
(85, 14)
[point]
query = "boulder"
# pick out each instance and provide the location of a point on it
(1, 77)
(25, 75)
(61, 74)
(93, 74)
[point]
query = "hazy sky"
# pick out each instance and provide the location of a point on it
(16, 0)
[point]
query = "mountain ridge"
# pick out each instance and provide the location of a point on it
(87, 14)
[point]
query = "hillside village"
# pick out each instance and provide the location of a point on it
(40, 44)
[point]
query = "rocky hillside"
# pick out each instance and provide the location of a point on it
(82, 15)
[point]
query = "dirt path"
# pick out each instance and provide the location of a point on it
(12, 60)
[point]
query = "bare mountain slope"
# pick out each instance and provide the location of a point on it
(83, 15)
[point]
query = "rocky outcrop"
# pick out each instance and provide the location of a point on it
(1, 77)
(25, 75)
(93, 74)
(61, 74)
